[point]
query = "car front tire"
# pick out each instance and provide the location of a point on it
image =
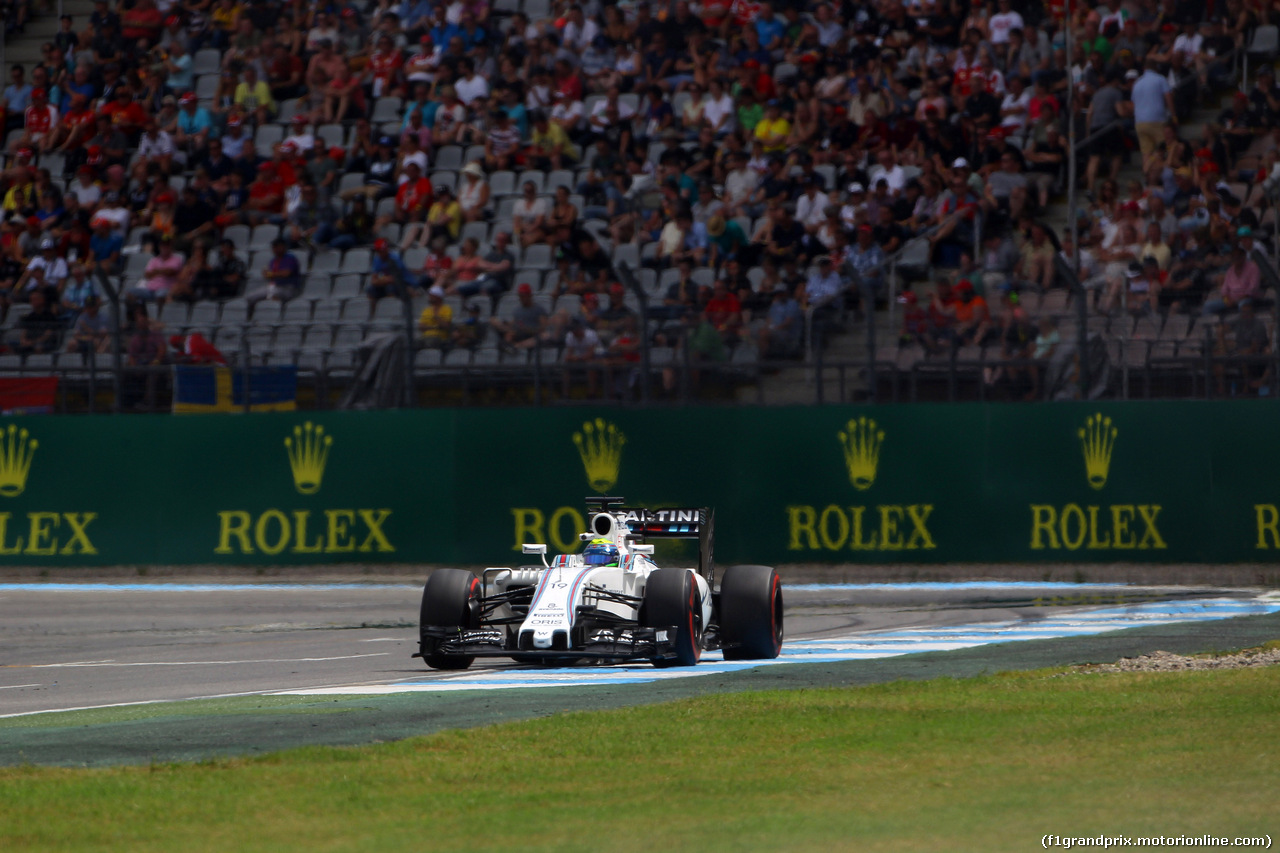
(671, 597)
(449, 600)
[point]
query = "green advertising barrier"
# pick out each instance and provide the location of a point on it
(1157, 482)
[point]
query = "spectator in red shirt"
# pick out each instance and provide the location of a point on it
(724, 311)
(384, 68)
(413, 198)
(39, 122)
(74, 127)
(143, 21)
(266, 196)
(126, 114)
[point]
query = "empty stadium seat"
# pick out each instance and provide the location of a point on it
(449, 158)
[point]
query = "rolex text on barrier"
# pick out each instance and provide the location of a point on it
(1135, 481)
(332, 531)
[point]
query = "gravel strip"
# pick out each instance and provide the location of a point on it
(1169, 662)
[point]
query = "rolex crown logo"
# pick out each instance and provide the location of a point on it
(16, 450)
(861, 441)
(308, 450)
(1097, 440)
(600, 446)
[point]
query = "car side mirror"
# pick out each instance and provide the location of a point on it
(642, 549)
(534, 549)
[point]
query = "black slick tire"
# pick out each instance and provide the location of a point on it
(449, 600)
(671, 597)
(751, 613)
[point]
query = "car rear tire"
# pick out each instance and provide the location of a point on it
(449, 600)
(751, 613)
(671, 597)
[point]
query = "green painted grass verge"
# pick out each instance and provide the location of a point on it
(169, 709)
(989, 764)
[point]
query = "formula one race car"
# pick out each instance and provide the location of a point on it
(610, 603)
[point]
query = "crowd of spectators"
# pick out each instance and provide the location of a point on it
(754, 163)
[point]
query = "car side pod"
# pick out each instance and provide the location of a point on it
(750, 615)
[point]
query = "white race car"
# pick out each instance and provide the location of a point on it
(609, 603)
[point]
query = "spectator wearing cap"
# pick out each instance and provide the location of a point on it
(822, 292)
(40, 120)
(194, 127)
(725, 240)
(300, 135)
(86, 190)
(435, 323)
(420, 66)
(388, 275)
(473, 194)
(236, 142)
(46, 271)
(283, 275)
(1136, 293)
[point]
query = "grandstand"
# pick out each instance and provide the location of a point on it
(539, 201)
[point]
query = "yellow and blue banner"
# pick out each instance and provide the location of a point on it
(203, 388)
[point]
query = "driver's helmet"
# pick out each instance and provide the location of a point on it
(600, 552)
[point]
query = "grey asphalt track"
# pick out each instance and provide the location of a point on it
(68, 649)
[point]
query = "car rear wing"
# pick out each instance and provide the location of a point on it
(674, 523)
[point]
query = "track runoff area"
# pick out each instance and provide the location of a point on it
(95, 645)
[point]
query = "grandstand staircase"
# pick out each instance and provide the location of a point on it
(42, 27)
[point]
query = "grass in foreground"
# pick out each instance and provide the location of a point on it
(983, 764)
